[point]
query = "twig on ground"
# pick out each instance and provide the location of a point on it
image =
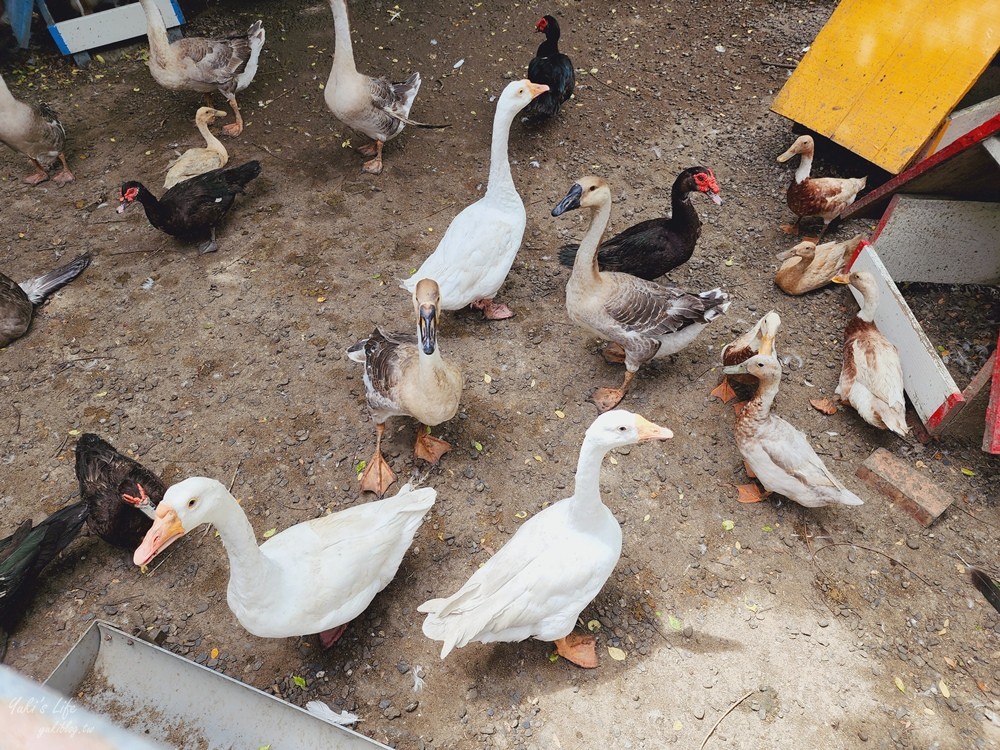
(877, 552)
(716, 725)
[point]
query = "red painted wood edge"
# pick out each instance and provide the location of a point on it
(991, 437)
(893, 202)
(935, 419)
(854, 256)
(974, 136)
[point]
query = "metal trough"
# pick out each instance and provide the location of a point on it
(166, 698)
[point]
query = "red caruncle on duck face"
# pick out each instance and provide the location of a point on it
(706, 181)
(126, 198)
(541, 25)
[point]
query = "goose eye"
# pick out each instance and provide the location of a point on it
(622, 428)
(192, 501)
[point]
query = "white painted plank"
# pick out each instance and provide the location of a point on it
(925, 377)
(941, 241)
(962, 121)
(110, 26)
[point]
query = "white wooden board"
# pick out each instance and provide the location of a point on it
(110, 26)
(962, 121)
(931, 389)
(940, 241)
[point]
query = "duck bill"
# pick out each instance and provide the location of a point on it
(716, 198)
(122, 206)
(570, 202)
(536, 89)
(785, 254)
(787, 155)
(740, 369)
(166, 529)
(841, 278)
(428, 328)
(649, 431)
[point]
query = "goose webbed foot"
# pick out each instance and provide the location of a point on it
(209, 247)
(38, 176)
(750, 493)
(492, 310)
(233, 129)
(377, 476)
(428, 447)
(723, 391)
(369, 149)
(372, 166)
(579, 649)
(328, 637)
(63, 175)
(609, 398)
(614, 354)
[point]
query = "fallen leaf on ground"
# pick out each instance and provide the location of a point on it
(944, 689)
(300, 681)
(215, 653)
(899, 684)
(269, 533)
(593, 626)
(824, 405)
(616, 653)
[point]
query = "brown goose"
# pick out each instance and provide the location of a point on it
(225, 65)
(18, 301)
(647, 320)
(35, 131)
(406, 375)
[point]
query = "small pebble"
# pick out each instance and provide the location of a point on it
(699, 713)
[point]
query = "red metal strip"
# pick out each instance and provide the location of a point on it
(991, 437)
(942, 411)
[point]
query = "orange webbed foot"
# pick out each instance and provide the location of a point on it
(607, 398)
(377, 476)
(614, 354)
(723, 391)
(430, 448)
(789, 228)
(750, 493)
(579, 649)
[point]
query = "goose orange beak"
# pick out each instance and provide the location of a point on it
(649, 431)
(166, 529)
(537, 88)
(841, 278)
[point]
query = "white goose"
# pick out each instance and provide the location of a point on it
(473, 258)
(537, 584)
(35, 131)
(205, 65)
(196, 161)
(373, 106)
(313, 577)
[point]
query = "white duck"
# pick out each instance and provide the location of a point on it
(776, 452)
(871, 379)
(205, 65)
(537, 584)
(473, 258)
(196, 161)
(35, 131)
(643, 320)
(406, 375)
(313, 577)
(373, 106)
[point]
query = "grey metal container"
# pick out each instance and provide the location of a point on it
(164, 697)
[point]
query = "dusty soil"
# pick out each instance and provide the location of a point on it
(838, 627)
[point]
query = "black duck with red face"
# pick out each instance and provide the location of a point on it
(121, 493)
(192, 209)
(554, 69)
(652, 248)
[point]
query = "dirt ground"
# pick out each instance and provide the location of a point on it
(838, 627)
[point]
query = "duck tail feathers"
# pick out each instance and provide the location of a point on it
(39, 288)
(986, 586)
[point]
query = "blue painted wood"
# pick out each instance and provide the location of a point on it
(19, 13)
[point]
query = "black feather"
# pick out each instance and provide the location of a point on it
(986, 585)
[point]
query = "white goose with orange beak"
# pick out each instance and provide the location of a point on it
(313, 577)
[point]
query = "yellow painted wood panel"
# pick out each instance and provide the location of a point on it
(882, 75)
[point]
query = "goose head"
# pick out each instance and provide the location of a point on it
(863, 281)
(185, 506)
(587, 192)
(764, 367)
(619, 427)
(803, 145)
(517, 95)
(805, 250)
(207, 115)
(426, 298)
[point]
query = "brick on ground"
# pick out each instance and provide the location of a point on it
(905, 486)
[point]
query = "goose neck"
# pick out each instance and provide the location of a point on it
(804, 168)
(501, 181)
(869, 304)
(343, 53)
(249, 569)
(211, 141)
(156, 30)
(587, 485)
(586, 264)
